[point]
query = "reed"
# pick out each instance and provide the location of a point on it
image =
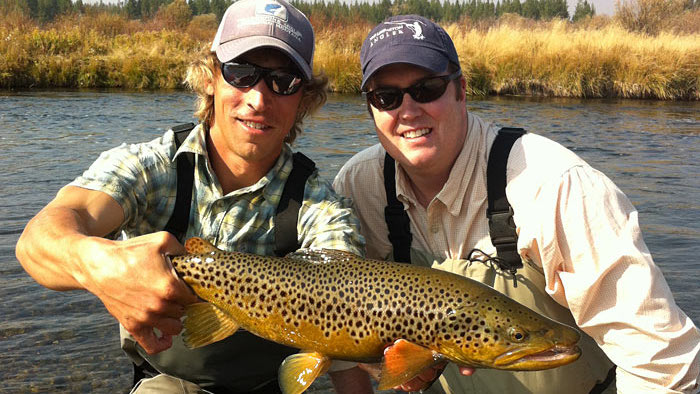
(509, 56)
(558, 60)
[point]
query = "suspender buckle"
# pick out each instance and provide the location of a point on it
(505, 239)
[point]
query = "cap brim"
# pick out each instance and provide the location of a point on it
(233, 49)
(424, 57)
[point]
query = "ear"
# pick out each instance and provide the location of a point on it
(463, 88)
(209, 87)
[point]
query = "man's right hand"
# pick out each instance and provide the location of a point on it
(62, 249)
(138, 285)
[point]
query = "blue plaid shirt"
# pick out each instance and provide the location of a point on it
(142, 178)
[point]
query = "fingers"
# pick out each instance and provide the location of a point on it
(466, 371)
(152, 343)
(170, 245)
(175, 290)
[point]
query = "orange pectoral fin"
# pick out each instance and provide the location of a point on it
(298, 371)
(403, 361)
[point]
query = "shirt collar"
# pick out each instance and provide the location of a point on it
(196, 142)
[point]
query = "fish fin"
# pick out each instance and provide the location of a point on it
(403, 361)
(319, 256)
(196, 245)
(204, 324)
(298, 371)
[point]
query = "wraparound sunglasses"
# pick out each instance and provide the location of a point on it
(424, 91)
(284, 82)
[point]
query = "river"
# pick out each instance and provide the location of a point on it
(67, 342)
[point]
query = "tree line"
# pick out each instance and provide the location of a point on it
(440, 11)
(444, 11)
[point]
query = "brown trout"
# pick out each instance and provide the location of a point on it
(336, 305)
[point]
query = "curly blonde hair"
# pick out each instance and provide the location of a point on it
(201, 72)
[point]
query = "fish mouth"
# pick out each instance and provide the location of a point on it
(550, 358)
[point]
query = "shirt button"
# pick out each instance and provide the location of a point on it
(434, 229)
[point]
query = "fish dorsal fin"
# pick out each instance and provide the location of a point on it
(205, 323)
(196, 245)
(298, 371)
(320, 256)
(403, 361)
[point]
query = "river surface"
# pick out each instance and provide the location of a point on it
(67, 342)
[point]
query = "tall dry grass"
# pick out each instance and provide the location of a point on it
(94, 51)
(557, 59)
(595, 58)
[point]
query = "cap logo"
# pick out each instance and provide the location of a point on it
(271, 13)
(413, 25)
(271, 8)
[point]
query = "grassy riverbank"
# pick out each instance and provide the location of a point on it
(508, 56)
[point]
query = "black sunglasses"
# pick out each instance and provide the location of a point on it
(243, 75)
(424, 91)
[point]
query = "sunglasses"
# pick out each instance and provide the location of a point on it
(424, 91)
(242, 75)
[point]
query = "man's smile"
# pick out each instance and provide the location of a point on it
(416, 133)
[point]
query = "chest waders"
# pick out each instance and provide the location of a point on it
(593, 373)
(218, 362)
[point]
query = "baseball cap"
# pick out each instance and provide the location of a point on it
(410, 39)
(251, 24)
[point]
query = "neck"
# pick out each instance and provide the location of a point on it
(427, 185)
(232, 171)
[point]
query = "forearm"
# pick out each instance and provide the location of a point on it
(62, 238)
(47, 249)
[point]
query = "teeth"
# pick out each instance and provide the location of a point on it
(416, 133)
(254, 125)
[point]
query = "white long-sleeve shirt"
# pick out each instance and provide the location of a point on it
(574, 223)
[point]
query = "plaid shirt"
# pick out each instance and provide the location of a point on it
(142, 178)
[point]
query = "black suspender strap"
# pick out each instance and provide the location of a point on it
(500, 213)
(179, 219)
(395, 215)
(290, 202)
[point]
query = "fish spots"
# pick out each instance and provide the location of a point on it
(357, 300)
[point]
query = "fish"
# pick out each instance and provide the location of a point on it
(335, 305)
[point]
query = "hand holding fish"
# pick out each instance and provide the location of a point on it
(139, 287)
(63, 248)
(422, 381)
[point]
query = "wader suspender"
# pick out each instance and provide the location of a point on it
(500, 213)
(179, 219)
(395, 216)
(286, 216)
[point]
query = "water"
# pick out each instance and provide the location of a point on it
(67, 342)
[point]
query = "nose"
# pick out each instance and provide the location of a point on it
(409, 108)
(258, 95)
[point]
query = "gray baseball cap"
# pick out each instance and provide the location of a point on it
(410, 39)
(251, 24)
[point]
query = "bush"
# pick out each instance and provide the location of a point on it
(647, 16)
(175, 16)
(203, 27)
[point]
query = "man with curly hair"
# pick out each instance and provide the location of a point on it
(104, 232)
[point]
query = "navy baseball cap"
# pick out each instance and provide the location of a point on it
(410, 39)
(251, 24)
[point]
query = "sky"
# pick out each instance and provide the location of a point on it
(602, 7)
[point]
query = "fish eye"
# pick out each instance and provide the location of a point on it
(517, 334)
